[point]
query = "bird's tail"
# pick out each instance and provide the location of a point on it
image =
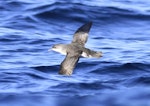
(91, 54)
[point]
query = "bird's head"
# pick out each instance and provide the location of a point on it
(61, 48)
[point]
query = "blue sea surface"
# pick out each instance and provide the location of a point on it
(29, 73)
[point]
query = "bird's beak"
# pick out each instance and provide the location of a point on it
(49, 50)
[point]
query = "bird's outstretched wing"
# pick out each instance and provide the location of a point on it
(69, 63)
(81, 35)
(90, 53)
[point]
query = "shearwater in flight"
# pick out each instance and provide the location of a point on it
(75, 50)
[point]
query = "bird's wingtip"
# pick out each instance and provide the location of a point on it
(85, 28)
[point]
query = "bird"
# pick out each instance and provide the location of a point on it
(75, 50)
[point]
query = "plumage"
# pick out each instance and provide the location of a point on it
(75, 50)
(81, 35)
(69, 63)
(90, 53)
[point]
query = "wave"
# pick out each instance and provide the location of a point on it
(88, 86)
(46, 68)
(33, 76)
(37, 16)
(82, 12)
(142, 80)
(123, 69)
(103, 67)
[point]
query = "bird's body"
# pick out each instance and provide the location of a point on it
(87, 53)
(75, 50)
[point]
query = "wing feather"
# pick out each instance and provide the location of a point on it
(90, 53)
(81, 35)
(69, 64)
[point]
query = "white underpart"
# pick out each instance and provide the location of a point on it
(85, 55)
(59, 51)
(63, 52)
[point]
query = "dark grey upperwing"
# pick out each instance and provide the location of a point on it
(90, 53)
(81, 35)
(69, 63)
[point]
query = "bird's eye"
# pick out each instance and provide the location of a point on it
(54, 46)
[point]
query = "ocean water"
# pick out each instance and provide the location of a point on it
(29, 73)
